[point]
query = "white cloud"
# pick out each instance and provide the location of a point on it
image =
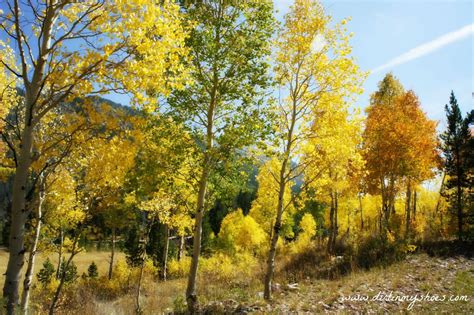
(428, 47)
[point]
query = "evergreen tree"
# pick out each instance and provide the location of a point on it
(457, 142)
(92, 271)
(132, 248)
(46, 273)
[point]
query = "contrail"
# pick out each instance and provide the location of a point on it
(428, 47)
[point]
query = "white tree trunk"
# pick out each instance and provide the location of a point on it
(32, 256)
(19, 216)
(112, 254)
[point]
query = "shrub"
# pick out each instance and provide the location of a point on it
(379, 251)
(104, 288)
(92, 271)
(46, 273)
(219, 267)
(240, 233)
(69, 271)
(179, 269)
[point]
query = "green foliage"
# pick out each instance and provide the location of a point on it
(69, 271)
(132, 248)
(92, 271)
(155, 244)
(46, 273)
(224, 107)
(314, 207)
(458, 145)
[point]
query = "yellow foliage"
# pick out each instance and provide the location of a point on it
(410, 248)
(179, 268)
(308, 231)
(241, 233)
(221, 267)
(264, 208)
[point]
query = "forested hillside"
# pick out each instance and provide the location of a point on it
(240, 176)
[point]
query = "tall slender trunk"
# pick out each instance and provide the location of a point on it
(380, 219)
(276, 234)
(415, 199)
(459, 211)
(283, 179)
(407, 210)
(139, 288)
(112, 253)
(361, 213)
(331, 225)
(19, 216)
(60, 253)
(440, 195)
(32, 254)
(165, 252)
(63, 273)
(384, 210)
(191, 296)
(336, 225)
(181, 247)
(138, 309)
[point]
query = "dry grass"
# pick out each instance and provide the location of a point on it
(82, 261)
(419, 274)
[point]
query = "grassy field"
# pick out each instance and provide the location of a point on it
(82, 261)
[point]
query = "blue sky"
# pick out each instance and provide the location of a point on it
(385, 30)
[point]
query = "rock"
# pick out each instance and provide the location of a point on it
(292, 287)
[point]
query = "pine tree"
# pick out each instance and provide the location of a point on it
(46, 273)
(92, 271)
(456, 142)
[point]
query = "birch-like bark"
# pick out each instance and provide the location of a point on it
(60, 253)
(181, 247)
(19, 214)
(112, 254)
(165, 253)
(282, 180)
(25, 298)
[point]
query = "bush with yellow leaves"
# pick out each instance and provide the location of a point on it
(240, 233)
(179, 268)
(308, 231)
